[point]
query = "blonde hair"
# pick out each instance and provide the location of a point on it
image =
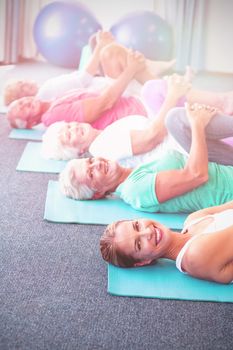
(53, 148)
(69, 185)
(16, 89)
(109, 250)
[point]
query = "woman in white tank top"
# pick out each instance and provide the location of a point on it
(203, 249)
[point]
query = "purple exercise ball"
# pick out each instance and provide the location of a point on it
(146, 32)
(61, 30)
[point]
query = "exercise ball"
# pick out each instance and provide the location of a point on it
(60, 31)
(146, 32)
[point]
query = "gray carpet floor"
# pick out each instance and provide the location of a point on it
(53, 283)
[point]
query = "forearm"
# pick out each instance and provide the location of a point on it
(111, 95)
(158, 124)
(194, 173)
(176, 87)
(93, 65)
(145, 140)
(197, 163)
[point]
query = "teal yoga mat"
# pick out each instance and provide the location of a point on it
(59, 208)
(31, 160)
(164, 281)
(27, 134)
(85, 56)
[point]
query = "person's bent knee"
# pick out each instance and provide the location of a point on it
(113, 59)
(176, 117)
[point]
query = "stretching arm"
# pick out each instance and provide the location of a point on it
(172, 183)
(145, 140)
(94, 107)
(102, 39)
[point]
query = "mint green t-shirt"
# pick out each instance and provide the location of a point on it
(138, 190)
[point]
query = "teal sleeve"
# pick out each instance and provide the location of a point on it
(138, 190)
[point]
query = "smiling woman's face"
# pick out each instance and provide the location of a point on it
(76, 135)
(144, 240)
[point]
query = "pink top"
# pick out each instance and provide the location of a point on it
(70, 108)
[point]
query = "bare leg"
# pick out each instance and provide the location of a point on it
(113, 62)
(223, 101)
(159, 68)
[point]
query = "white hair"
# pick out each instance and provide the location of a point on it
(52, 148)
(70, 187)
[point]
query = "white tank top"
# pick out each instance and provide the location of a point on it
(220, 221)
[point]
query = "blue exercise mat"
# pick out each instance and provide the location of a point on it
(27, 134)
(164, 281)
(59, 208)
(31, 160)
(85, 57)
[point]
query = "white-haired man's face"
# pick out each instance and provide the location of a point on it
(25, 112)
(76, 135)
(99, 174)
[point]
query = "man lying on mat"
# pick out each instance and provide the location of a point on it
(108, 60)
(85, 105)
(173, 183)
(203, 249)
(141, 139)
(110, 103)
(71, 97)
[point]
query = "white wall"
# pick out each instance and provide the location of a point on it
(219, 35)
(219, 24)
(218, 32)
(108, 12)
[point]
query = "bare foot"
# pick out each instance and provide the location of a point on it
(199, 113)
(159, 68)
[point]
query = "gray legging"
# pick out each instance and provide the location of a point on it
(220, 126)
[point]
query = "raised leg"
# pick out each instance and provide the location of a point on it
(221, 100)
(113, 60)
(221, 126)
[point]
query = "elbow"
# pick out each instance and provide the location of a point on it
(199, 177)
(153, 139)
(108, 101)
(223, 279)
(203, 178)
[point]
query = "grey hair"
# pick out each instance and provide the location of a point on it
(52, 148)
(70, 187)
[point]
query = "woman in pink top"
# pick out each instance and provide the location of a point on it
(117, 63)
(78, 106)
(102, 108)
(82, 104)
